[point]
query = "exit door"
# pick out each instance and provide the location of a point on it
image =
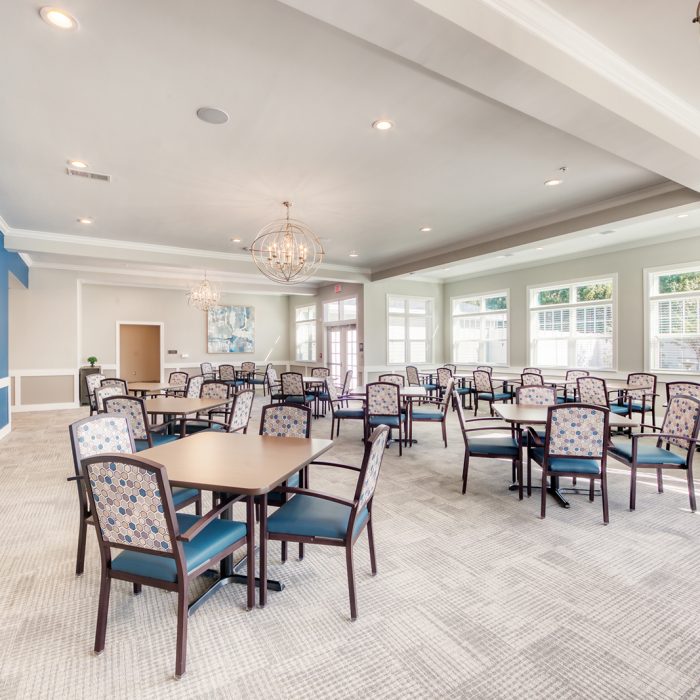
(342, 351)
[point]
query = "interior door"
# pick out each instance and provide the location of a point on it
(342, 351)
(139, 352)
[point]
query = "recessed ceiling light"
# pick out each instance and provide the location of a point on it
(425, 229)
(235, 240)
(212, 115)
(80, 164)
(353, 254)
(58, 18)
(382, 124)
(86, 220)
(553, 182)
(683, 216)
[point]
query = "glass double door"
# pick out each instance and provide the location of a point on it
(341, 349)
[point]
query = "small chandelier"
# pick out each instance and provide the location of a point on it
(203, 296)
(287, 251)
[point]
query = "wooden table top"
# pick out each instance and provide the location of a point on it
(406, 391)
(235, 463)
(315, 380)
(181, 406)
(153, 386)
(537, 415)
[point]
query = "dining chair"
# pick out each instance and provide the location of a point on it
(485, 368)
(204, 420)
(531, 370)
(451, 367)
(92, 382)
(293, 390)
(571, 376)
(178, 380)
(384, 408)
(144, 434)
(484, 391)
(497, 443)
(320, 372)
(207, 370)
(575, 445)
(247, 372)
(340, 409)
(274, 386)
(437, 414)
(684, 388)
(227, 373)
(115, 381)
(679, 429)
(259, 378)
(642, 400)
(320, 518)
(531, 379)
(194, 387)
(97, 435)
(594, 390)
(397, 379)
(416, 379)
(103, 392)
(157, 547)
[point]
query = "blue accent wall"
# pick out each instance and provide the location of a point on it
(9, 262)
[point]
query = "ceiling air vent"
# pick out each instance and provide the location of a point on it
(88, 175)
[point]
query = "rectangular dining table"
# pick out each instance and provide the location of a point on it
(519, 416)
(180, 406)
(143, 388)
(233, 463)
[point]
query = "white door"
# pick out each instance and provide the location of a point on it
(342, 351)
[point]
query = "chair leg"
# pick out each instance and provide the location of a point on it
(444, 433)
(332, 427)
(604, 494)
(465, 471)
(301, 551)
(80, 558)
(491, 408)
(591, 490)
(529, 474)
(519, 464)
(543, 503)
(181, 652)
(102, 612)
(137, 588)
(372, 553)
(660, 480)
(476, 404)
(691, 490)
(351, 581)
(633, 488)
(198, 505)
(400, 443)
(284, 551)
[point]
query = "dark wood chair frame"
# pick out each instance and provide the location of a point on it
(445, 402)
(403, 427)
(207, 370)
(115, 381)
(181, 586)
(392, 378)
(350, 537)
(180, 391)
(493, 399)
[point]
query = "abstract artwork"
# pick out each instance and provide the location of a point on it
(231, 329)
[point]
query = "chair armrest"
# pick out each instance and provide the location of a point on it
(481, 420)
(192, 532)
(532, 434)
(666, 436)
(76, 477)
(475, 430)
(336, 464)
(315, 494)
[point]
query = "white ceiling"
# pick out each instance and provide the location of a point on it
(121, 93)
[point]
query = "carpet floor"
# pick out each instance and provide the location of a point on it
(476, 597)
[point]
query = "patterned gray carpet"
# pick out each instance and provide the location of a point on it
(476, 597)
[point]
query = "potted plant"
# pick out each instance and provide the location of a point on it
(92, 360)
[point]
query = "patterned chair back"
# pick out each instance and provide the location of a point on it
(134, 410)
(685, 388)
(92, 381)
(347, 382)
(532, 370)
(592, 390)
(444, 374)
(412, 376)
(194, 387)
(247, 366)
(397, 379)
(531, 379)
(447, 396)
(536, 395)
(104, 433)
(482, 381)
(682, 420)
(577, 430)
(383, 399)
(460, 415)
(320, 372)
(213, 389)
(240, 414)
(272, 377)
(114, 381)
(178, 378)
(139, 513)
(371, 465)
(101, 393)
(331, 389)
(207, 370)
(227, 373)
(485, 368)
(452, 368)
(573, 374)
(292, 384)
(646, 381)
(285, 420)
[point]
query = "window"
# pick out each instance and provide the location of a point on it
(306, 333)
(340, 310)
(409, 330)
(572, 325)
(480, 329)
(674, 309)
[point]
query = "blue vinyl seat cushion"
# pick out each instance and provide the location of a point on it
(464, 390)
(501, 446)
(391, 421)
(430, 387)
(182, 495)
(566, 464)
(496, 396)
(158, 439)
(349, 413)
(422, 414)
(616, 408)
(314, 517)
(646, 454)
(638, 406)
(215, 537)
(276, 499)
(300, 399)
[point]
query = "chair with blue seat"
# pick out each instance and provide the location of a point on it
(416, 379)
(397, 379)
(320, 518)
(433, 411)
(484, 439)
(274, 386)
(258, 378)
(293, 390)
(642, 400)
(575, 445)
(217, 390)
(178, 384)
(156, 547)
(485, 368)
(680, 430)
(571, 376)
(227, 373)
(340, 408)
(207, 370)
(532, 370)
(484, 391)
(104, 392)
(594, 390)
(247, 373)
(134, 410)
(384, 407)
(115, 381)
(684, 388)
(194, 386)
(92, 382)
(443, 377)
(451, 367)
(531, 379)
(97, 435)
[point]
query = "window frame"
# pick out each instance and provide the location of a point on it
(482, 296)
(649, 274)
(340, 321)
(430, 339)
(313, 322)
(588, 279)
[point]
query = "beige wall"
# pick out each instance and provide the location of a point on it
(629, 266)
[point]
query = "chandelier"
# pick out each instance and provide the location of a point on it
(287, 251)
(203, 296)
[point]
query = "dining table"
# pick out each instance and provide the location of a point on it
(237, 464)
(174, 407)
(520, 416)
(143, 388)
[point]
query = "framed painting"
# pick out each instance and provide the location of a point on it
(231, 329)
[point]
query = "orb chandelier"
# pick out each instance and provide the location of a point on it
(287, 251)
(203, 296)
